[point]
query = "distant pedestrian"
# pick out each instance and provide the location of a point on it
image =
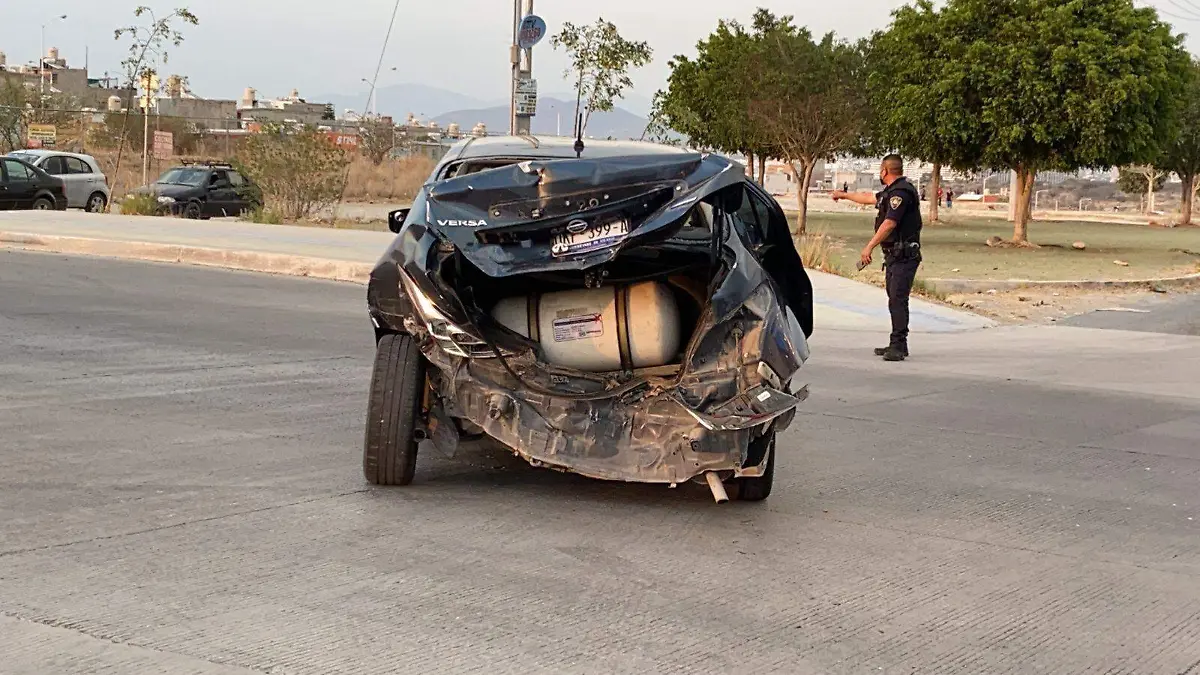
(845, 187)
(949, 199)
(898, 231)
(922, 194)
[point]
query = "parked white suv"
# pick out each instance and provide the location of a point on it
(86, 186)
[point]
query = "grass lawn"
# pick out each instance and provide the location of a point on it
(958, 244)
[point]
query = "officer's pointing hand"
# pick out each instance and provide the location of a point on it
(865, 258)
(838, 194)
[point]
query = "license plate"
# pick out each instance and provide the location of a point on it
(592, 237)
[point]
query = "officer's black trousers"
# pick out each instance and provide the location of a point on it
(899, 276)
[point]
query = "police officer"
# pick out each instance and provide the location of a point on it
(898, 231)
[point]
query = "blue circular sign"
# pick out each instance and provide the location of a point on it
(531, 32)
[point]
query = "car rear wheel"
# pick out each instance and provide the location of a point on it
(43, 204)
(758, 488)
(393, 410)
(96, 203)
(192, 210)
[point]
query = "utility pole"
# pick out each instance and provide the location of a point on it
(522, 70)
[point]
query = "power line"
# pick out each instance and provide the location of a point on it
(382, 51)
(1190, 12)
(1165, 13)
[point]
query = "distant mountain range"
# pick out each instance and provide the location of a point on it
(553, 118)
(445, 106)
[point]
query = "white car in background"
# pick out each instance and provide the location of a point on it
(86, 185)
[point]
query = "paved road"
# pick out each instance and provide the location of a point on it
(1177, 313)
(181, 493)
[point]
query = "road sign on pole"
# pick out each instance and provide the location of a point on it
(42, 135)
(164, 145)
(531, 32)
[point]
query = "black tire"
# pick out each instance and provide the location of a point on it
(96, 203)
(192, 211)
(42, 204)
(759, 488)
(397, 385)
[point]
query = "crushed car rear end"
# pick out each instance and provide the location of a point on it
(608, 317)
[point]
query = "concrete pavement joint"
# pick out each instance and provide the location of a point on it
(64, 625)
(121, 535)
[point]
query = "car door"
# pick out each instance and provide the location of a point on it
(244, 198)
(776, 250)
(56, 165)
(20, 184)
(221, 196)
(86, 179)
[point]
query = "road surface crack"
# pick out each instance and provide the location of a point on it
(47, 547)
(71, 627)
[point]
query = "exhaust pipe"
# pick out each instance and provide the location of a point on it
(717, 487)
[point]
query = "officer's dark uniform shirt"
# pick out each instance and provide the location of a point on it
(900, 202)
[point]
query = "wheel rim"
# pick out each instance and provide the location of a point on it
(41, 205)
(96, 203)
(192, 211)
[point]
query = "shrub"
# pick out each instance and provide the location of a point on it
(301, 172)
(140, 205)
(816, 251)
(263, 216)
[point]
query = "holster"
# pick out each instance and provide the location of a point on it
(901, 252)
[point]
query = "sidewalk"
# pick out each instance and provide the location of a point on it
(349, 255)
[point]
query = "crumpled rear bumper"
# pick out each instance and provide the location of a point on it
(668, 430)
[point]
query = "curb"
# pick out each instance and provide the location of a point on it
(250, 261)
(983, 286)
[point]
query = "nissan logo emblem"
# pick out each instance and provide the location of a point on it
(576, 226)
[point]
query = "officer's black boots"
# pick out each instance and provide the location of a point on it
(883, 351)
(895, 354)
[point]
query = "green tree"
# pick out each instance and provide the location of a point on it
(16, 106)
(708, 98)
(915, 91)
(1144, 180)
(148, 44)
(600, 63)
(300, 170)
(1182, 154)
(808, 96)
(1059, 85)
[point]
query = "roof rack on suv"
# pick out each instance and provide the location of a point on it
(214, 164)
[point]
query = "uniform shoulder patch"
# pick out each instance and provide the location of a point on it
(895, 202)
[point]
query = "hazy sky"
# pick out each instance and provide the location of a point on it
(328, 47)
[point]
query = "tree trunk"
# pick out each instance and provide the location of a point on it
(762, 170)
(1189, 194)
(750, 164)
(803, 179)
(931, 193)
(1023, 215)
(1150, 193)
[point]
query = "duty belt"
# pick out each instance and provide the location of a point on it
(896, 248)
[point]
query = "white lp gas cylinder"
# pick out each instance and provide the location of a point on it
(599, 329)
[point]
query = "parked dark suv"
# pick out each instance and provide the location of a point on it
(24, 186)
(204, 190)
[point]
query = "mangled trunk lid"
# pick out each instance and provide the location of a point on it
(568, 214)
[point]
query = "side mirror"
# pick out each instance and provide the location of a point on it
(396, 219)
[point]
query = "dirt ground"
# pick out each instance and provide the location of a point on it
(1049, 306)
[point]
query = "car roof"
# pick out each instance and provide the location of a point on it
(40, 152)
(552, 147)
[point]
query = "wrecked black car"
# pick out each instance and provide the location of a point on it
(625, 311)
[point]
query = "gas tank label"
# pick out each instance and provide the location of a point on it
(579, 327)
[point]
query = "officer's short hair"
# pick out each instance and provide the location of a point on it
(894, 164)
